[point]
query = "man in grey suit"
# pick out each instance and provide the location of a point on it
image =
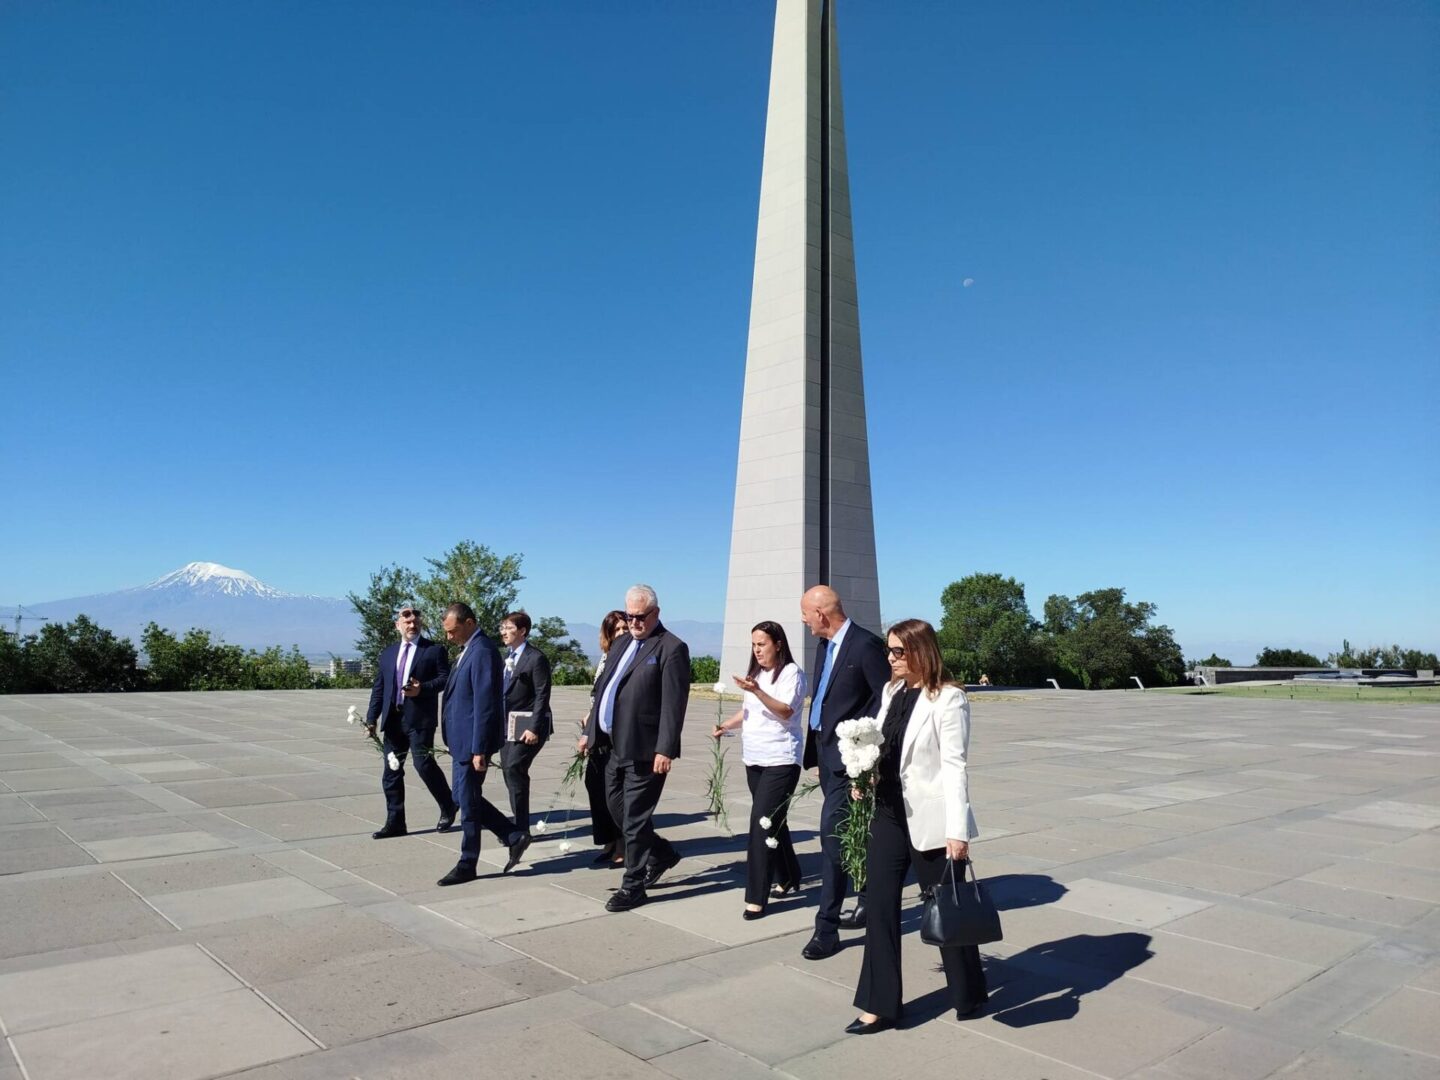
(639, 709)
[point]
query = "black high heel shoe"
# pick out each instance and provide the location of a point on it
(606, 854)
(784, 890)
(749, 915)
(860, 1027)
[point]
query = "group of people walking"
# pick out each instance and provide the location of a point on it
(631, 738)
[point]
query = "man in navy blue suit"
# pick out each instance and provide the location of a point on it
(408, 679)
(474, 718)
(852, 671)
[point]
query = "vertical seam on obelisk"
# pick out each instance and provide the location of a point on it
(823, 516)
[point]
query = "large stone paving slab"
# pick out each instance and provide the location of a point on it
(1191, 887)
(199, 1037)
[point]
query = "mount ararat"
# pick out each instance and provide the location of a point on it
(242, 610)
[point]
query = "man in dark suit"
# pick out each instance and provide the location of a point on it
(474, 715)
(639, 709)
(408, 679)
(527, 690)
(851, 671)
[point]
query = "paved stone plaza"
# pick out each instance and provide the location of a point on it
(1193, 887)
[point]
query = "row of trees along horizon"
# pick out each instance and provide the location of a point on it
(1095, 641)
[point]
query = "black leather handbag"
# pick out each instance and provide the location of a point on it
(959, 912)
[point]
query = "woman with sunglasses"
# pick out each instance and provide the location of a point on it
(605, 832)
(922, 820)
(772, 743)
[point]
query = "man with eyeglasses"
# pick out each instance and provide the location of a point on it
(639, 709)
(851, 672)
(408, 679)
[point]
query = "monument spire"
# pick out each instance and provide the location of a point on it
(802, 483)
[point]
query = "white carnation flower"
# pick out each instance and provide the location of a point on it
(720, 688)
(853, 771)
(765, 823)
(565, 846)
(392, 761)
(771, 843)
(541, 826)
(351, 715)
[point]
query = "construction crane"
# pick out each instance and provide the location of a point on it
(20, 617)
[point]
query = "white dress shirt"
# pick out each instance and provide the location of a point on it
(765, 739)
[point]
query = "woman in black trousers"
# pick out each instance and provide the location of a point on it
(603, 830)
(922, 819)
(772, 742)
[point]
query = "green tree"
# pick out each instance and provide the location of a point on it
(14, 678)
(1283, 658)
(390, 586)
(569, 666)
(1213, 660)
(986, 628)
(80, 657)
(193, 662)
(276, 669)
(704, 670)
(474, 574)
(1392, 656)
(1100, 640)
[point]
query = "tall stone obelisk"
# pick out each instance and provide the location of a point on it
(802, 484)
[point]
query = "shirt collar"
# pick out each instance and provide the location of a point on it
(839, 635)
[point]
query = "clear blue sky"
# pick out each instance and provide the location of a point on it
(310, 288)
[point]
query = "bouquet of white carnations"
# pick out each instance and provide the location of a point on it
(860, 741)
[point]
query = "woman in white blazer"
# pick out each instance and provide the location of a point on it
(922, 819)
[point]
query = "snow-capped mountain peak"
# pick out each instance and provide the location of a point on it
(212, 578)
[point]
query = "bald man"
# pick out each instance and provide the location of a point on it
(850, 672)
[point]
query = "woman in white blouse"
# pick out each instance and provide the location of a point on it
(772, 742)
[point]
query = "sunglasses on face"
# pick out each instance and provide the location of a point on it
(897, 652)
(639, 618)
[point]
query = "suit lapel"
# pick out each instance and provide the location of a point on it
(924, 714)
(465, 655)
(647, 648)
(838, 659)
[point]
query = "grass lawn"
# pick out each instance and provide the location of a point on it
(1418, 695)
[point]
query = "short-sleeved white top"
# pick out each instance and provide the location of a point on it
(765, 739)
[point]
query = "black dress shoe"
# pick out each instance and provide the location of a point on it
(625, 899)
(783, 890)
(659, 866)
(459, 876)
(855, 918)
(749, 915)
(818, 948)
(517, 851)
(447, 820)
(389, 829)
(860, 1027)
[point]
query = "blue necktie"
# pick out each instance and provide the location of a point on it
(607, 699)
(815, 702)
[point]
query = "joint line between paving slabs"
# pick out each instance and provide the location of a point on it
(263, 997)
(142, 899)
(705, 1038)
(1390, 1045)
(518, 952)
(15, 1053)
